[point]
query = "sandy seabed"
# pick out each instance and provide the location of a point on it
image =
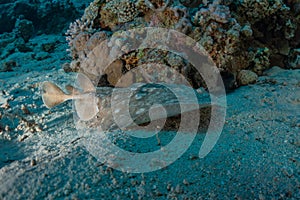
(256, 157)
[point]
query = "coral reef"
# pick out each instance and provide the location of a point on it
(46, 16)
(275, 26)
(23, 20)
(238, 35)
(220, 33)
(119, 11)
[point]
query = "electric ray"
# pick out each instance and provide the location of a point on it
(111, 108)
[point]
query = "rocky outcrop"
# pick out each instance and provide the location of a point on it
(238, 35)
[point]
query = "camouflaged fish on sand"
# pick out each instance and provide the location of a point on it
(109, 108)
(143, 103)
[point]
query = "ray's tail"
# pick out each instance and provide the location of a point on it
(52, 95)
(85, 102)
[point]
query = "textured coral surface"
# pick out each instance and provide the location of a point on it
(238, 35)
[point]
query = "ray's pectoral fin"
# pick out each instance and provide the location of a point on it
(85, 83)
(86, 106)
(52, 95)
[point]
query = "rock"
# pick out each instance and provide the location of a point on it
(48, 47)
(185, 182)
(261, 60)
(7, 128)
(20, 44)
(283, 47)
(247, 31)
(2, 101)
(67, 68)
(25, 109)
(8, 66)
(33, 162)
(24, 29)
(246, 77)
(294, 59)
(178, 189)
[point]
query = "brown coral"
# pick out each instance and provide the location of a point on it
(237, 35)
